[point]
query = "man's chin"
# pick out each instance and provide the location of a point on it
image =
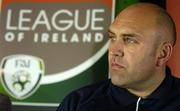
(117, 82)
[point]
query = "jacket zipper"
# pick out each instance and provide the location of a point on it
(137, 103)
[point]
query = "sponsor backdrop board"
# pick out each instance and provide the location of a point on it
(51, 47)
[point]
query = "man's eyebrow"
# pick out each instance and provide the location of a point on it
(129, 35)
(133, 35)
(109, 31)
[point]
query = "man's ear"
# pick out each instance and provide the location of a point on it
(164, 54)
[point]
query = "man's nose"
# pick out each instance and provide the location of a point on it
(116, 48)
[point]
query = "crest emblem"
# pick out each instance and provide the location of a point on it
(21, 75)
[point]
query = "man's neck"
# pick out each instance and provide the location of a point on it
(146, 89)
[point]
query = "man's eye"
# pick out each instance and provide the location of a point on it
(130, 40)
(112, 37)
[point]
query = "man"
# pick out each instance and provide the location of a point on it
(141, 42)
(5, 103)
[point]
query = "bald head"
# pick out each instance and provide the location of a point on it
(152, 15)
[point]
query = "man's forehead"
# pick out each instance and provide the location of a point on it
(143, 7)
(133, 23)
(141, 11)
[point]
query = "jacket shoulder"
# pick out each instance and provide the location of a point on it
(93, 90)
(84, 95)
(177, 84)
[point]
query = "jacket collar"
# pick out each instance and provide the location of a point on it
(124, 97)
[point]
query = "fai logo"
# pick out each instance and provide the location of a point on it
(21, 75)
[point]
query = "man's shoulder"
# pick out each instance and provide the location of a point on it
(90, 92)
(85, 95)
(176, 84)
(175, 87)
(93, 89)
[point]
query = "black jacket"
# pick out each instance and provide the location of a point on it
(107, 97)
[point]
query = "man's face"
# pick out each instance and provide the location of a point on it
(132, 51)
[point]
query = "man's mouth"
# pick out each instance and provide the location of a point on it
(116, 66)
